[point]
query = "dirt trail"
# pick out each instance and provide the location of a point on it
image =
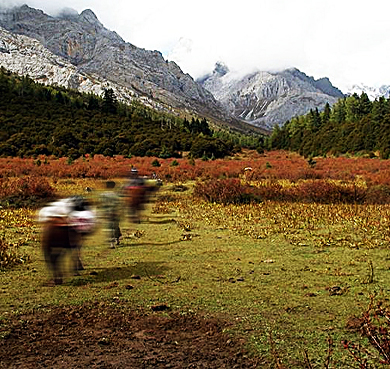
(110, 335)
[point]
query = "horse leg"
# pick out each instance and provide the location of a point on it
(53, 257)
(55, 241)
(56, 257)
(75, 240)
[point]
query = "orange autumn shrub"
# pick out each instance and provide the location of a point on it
(17, 191)
(226, 191)
(223, 191)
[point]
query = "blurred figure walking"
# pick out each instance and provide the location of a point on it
(111, 209)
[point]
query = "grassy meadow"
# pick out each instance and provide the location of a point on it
(288, 276)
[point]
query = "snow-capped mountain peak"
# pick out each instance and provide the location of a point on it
(373, 93)
(269, 98)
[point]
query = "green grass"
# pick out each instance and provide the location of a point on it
(269, 269)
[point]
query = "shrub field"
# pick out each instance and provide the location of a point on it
(267, 261)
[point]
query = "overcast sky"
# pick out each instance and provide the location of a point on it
(345, 40)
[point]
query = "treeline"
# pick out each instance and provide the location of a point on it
(353, 125)
(51, 120)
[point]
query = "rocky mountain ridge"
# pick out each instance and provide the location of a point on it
(77, 51)
(93, 53)
(269, 98)
(26, 56)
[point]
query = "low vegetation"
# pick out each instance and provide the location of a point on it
(303, 281)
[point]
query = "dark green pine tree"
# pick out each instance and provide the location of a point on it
(364, 105)
(92, 102)
(314, 121)
(325, 116)
(110, 104)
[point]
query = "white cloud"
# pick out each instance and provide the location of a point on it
(344, 40)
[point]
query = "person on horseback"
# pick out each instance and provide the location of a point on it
(135, 195)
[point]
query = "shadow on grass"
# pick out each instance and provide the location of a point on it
(130, 244)
(159, 221)
(100, 275)
(150, 219)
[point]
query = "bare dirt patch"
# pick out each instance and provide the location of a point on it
(111, 335)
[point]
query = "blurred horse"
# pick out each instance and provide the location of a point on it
(58, 238)
(65, 222)
(136, 195)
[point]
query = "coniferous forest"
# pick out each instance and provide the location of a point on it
(51, 120)
(42, 120)
(354, 125)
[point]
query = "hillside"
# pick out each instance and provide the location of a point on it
(47, 120)
(93, 56)
(88, 57)
(354, 125)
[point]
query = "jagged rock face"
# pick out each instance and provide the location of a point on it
(84, 42)
(26, 56)
(265, 98)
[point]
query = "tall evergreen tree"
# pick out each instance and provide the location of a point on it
(109, 101)
(325, 116)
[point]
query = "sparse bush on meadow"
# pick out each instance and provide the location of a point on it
(25, 190)
(270, 190)
(378, 194)
(374, 325)
(9, 254)
(324, 191)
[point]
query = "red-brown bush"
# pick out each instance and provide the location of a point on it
(21, 190)
(371, 174)
(378, 194)
(227, 191)
(324, 191)
(224, 191)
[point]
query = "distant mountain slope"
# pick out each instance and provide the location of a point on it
(52, 120)
(82, 41)
(267, 99)
(87, 56)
